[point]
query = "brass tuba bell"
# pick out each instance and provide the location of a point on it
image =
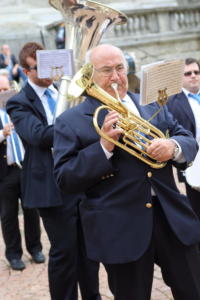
(85, 24)
(138, 132)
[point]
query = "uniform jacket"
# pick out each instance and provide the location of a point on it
(38, 185)
(179, 106)
(116, 222)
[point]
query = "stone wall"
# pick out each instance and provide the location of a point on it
(162, 33)
(152, 33)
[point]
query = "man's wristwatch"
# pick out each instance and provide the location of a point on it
(176, 150)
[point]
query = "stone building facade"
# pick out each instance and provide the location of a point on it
(154, 30)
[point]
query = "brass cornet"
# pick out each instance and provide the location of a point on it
(138, 132)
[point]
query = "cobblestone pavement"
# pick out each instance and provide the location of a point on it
(32, 284)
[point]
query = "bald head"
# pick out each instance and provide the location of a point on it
(4, 83)
(102, 51)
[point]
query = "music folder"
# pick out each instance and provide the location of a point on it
(161, 76)
(55, 64)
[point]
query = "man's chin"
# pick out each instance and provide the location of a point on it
(46, 82)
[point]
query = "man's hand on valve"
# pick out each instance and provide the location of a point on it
(161, 149)
(111, 130)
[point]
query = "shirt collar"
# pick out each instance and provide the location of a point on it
(40, 89)
(127, 99)
(186, 92)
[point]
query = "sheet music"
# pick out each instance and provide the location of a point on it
(159, 76)
(55, 63)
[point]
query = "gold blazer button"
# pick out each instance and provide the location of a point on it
(149, 174)
(148, 205)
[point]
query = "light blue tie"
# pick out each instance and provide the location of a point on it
(195, 96)
(15, 143)
(50, 100)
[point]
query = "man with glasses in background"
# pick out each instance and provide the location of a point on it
(185, 107)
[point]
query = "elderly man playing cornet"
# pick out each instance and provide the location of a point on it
(133, 214)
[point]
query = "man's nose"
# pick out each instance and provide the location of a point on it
(115, 74)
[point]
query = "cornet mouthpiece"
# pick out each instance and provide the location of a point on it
(114, 85)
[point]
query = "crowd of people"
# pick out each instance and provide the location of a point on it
(9, 65)
(98, 203)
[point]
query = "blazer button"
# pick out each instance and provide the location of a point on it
(149, 174)
(5, 142)
(148, 205)
(4, 156)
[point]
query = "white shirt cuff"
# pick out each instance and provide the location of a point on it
(107, 153)
(179, 158)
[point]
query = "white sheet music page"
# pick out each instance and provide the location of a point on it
(55, 63)
(160, 76)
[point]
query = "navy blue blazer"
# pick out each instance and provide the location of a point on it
(38, 185)
(179, 106)
(116, 222)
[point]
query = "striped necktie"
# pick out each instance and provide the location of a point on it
(50, 100)
(195, 96)
(16, 144)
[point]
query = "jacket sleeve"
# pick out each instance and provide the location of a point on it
(77, 167)
(28, 122)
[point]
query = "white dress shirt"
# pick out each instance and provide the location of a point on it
(40, 92)
(195, 106)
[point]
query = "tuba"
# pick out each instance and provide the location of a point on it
(137, 132)
(85, 23)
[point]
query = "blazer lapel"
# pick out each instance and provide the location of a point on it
(35, 100)
(185, 106)
(147, 111)
(89, 107)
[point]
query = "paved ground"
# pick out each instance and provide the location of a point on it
(31, 284)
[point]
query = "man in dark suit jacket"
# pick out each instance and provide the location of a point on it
(33, 120)
(10, 193)
(124, 226)
(186, 110)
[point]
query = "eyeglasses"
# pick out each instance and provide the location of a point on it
(108, 71)
(3, 90)
(33, 68)
(189, 73)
